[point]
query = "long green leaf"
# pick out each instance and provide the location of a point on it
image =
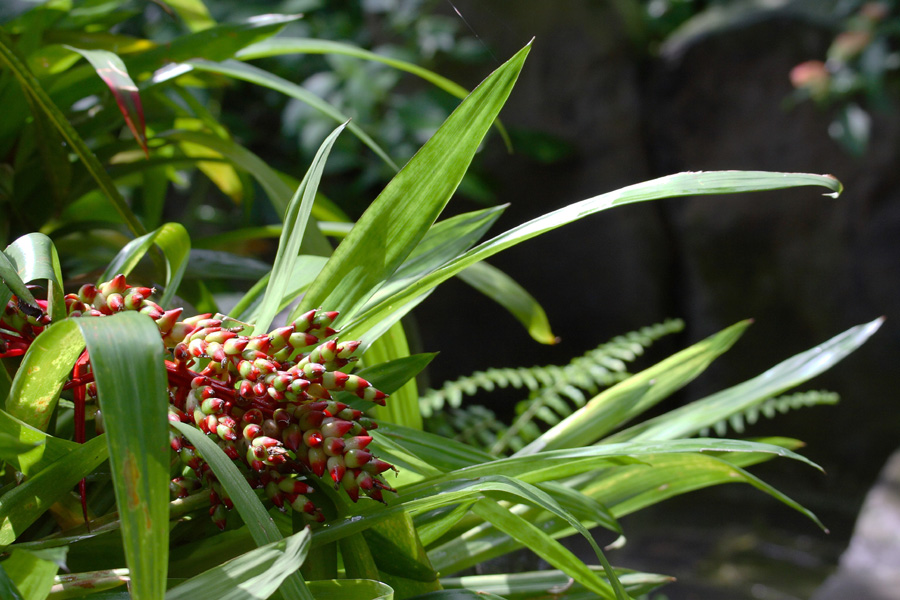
(31, 573)
(278, 192)
(296, 219)
(128, 364)
(175, 243)
(444, 241)
(290, 45)
(262, 527)
(22, 505)
(44, 369)
(636, 394)
(47, 449)
(249, 73)
(537, 584)
(682, 184)
(350, 589)
(114, 74)
(7, 587)
(33, 87)
(401, 215)
(688, 420)
(35, 257)
(503, 289)
(547, 548)
(252, 576)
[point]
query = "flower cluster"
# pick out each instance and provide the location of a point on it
(269, 400)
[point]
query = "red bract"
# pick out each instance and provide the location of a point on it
(268, 403)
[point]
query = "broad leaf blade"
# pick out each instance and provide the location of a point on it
(249, 73)
(21, 506)
(681, 184)
(104, 182)
(112, 71)
(296, 219)
(128, 363)
(688, 420)
(47, 449)
(32, 399)
(175, 243)
(252, 576)
(636, 394)
(401, 215)
(262, 527)
(34, 257)
(503, 289)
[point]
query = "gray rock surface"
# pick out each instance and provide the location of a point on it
(870, 568)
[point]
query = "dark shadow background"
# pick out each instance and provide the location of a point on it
(804, 266)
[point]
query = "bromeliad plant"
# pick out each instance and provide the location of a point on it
(271, 420)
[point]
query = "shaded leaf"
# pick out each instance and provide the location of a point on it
(112, 71)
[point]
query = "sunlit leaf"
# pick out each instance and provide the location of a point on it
(401, 215)
(128, 365)
(252, 576)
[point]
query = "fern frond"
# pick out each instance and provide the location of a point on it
(553, 389)
(769, 408)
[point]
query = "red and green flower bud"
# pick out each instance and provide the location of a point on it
(176, 442)
(275, 394)
(219, 516)
(324, 353)
(197, 348)
(336, 468)
(190, 457)
(333, 427)
(271, 429)
(275, 494)
(212, 406)
(86, 293)
(311, 371)
(357, 442)
(260, 389)
(259, 343)
(356, 458)
(254, 415)
(349, 414)
(365, 480)
(266, 367)
(245, 389)
(309, 419)
(290, 485)
(348, 482)
(280, 337)
(264, 441)
(317, 460)
(375, 494)
(251, 431)
(313, 438)
(235, 345)
(317, 391)
(115, 302)
(333, 446)
(167, 321)
(301, 503)
(226, 433)
(377, 466)
(335, 380)
(133, 299)
(301, 339)
(292, 436)
(247, 371)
